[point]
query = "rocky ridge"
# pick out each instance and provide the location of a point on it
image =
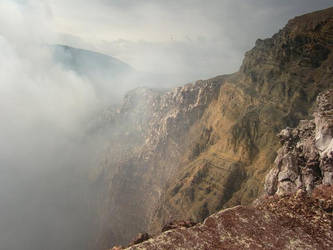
(295, 221)
(191, 151)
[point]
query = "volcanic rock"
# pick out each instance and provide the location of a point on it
(297, 221)
(306, 156)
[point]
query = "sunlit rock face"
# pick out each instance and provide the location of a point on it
(306, 156)
(188, 152)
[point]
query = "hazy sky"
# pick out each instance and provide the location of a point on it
(188, 38)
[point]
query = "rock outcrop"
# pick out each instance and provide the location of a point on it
(306, 157)
(186, 153)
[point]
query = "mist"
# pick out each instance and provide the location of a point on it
(48, 149)
(182, 41)
(46, 154)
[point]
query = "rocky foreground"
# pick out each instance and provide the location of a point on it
(297, 221)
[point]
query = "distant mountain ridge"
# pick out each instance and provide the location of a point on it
(109, 76)
(85, 61)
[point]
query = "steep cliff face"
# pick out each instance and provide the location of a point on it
(234, 143)
(193, 150)
(148, 137)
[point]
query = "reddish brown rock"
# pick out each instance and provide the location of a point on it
(297, 221)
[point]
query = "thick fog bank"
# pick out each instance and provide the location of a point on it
(47, 155)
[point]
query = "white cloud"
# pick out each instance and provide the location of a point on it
(42, 107)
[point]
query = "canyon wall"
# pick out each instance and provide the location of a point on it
(188, 152)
